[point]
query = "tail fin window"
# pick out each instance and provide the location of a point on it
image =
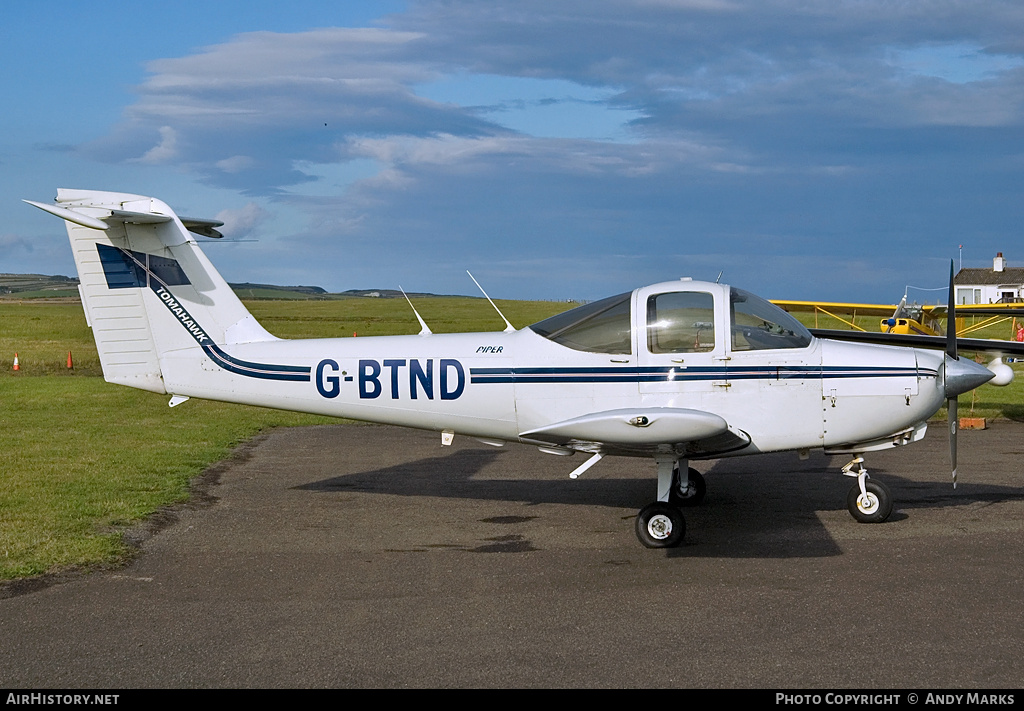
(167, 270)
(125, 269)
(120, 269)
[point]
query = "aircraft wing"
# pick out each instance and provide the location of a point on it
(693, 432)
(978, 345)
(934, 310)
(939, 311)
(845, 312)
(836, 306)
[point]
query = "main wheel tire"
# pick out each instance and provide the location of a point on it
(875, 508)
(695, 492)
(660, 525)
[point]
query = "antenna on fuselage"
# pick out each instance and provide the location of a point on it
(719, 279)
(509, 328)
(425, 330)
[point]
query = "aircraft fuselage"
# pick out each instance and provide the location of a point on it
(499, 385)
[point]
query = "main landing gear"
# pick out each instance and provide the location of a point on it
(661, 524)
(869, 501)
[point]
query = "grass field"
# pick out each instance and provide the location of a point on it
(82, 459)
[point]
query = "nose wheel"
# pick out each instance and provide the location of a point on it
(873, 505)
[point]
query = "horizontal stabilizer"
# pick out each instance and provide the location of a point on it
(106, 215)
(70, 215)
(202, 227)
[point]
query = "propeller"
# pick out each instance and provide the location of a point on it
(960, 376)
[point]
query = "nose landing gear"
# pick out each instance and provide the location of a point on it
(869, 501)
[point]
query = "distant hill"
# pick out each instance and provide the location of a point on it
(270, 291)
(248, 290)
(40, 286)
(386, 293)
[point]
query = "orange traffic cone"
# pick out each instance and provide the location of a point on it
(70, 364)
(16, 366)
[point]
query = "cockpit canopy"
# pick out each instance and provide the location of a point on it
(677, 321)
(758, 324)
(598, 327)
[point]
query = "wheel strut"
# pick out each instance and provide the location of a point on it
(861, 473)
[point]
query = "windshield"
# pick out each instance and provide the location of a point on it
(599, 327)
(761, 325)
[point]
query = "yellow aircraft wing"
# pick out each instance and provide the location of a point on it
(841, 311)
(899, 318)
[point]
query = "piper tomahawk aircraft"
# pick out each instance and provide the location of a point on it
(672, 372)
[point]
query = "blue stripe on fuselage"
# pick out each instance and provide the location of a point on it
(661, 374)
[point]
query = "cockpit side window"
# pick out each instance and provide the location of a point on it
(681, 322)
(599, 327)
(761, 325)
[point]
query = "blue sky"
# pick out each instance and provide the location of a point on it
(556, 150)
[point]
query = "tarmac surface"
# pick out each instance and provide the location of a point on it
(370, 556)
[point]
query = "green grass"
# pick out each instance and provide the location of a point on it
(42, 334)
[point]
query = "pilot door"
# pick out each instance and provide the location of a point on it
(681, 348)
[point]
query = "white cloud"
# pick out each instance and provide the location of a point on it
(236, 164)
(165, 151)
(11, 243)
(243, 221)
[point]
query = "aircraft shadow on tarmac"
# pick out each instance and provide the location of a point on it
(761, 507)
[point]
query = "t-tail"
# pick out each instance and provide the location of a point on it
(131, 253)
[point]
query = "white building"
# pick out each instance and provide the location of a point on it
(990, 286)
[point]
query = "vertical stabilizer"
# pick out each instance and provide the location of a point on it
(152, 298)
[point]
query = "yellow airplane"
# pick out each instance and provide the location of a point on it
(913, 319)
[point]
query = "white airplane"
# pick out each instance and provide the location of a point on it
(675, 371)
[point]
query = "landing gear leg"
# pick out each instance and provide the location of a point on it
(869, 501)
(661, 524)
